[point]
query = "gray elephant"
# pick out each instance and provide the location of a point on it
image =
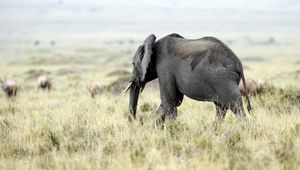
(203, 69)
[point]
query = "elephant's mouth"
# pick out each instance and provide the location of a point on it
(128, 87)
(134, 84)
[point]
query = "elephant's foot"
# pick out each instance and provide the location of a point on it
(131, 118)
(159, 122)
(163, 114)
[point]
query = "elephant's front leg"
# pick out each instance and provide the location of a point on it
(164, 113)
(168, 95)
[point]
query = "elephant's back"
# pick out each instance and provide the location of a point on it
(204, 49)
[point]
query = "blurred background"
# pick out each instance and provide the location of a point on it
(85, 47)
(262, 31)
(24, 21)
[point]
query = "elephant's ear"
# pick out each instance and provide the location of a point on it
(148, 51)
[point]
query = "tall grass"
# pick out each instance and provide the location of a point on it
(66, 129)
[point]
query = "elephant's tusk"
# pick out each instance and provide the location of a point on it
(128, 86)
(142, 88)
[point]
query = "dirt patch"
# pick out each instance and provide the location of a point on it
(33, 74)
(118, 73)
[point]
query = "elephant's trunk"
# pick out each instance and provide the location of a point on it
(133, 100)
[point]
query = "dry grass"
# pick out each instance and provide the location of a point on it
(66, 129)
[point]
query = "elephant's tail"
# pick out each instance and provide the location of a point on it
(249, 108)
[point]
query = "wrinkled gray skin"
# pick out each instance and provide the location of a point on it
(9, 87)
(203, 69)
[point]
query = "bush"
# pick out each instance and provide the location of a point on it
(118, 85)
(289, 98)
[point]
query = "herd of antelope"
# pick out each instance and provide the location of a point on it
(10, 86)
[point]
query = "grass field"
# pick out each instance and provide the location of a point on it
(67, 129)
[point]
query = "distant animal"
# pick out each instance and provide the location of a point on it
(44, 82)
(264, 87)
(251, 88)
(37, 42)
(52, 43)
(94, 89)
(263, 82)
(203, 69)
(9, 88)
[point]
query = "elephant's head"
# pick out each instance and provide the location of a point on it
(142, 72)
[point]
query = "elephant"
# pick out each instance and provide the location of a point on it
(202, 69)
(251, 89)
(9, 87)
(44, 82)
(94, 89)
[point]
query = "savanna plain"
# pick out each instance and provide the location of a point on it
(67, 129)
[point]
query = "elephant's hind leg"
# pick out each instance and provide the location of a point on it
(220, 112)
(237, 107)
